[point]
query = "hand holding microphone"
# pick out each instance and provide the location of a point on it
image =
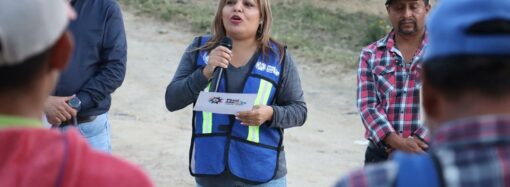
(219, 57)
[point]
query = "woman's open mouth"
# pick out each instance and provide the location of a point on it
(235, 19)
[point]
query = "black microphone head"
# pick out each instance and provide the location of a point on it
(226, 42)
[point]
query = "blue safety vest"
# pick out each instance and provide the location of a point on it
(221, 144)
(422, 170)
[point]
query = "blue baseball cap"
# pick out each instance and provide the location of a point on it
(450, 20)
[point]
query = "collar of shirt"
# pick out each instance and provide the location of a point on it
(388, 42)
(482, 130)
(14, 121)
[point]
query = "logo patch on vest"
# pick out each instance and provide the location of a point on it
(205, 58)
(261, 66)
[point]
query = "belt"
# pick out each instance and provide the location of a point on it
(381, 147)
(80, 120)
(374, 146)
(378, 146)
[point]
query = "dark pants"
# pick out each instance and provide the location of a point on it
(375, 154)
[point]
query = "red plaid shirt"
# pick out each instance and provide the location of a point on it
(471, 152)
(388, 96)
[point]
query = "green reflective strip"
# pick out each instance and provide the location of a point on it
(207, 117)
(266, 94)
(259, 95)
(12, 121)
(207, 88)
(207, 122)
(262, 99)
(261, 92)
(253, 134)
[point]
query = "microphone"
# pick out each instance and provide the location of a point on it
(225, 42)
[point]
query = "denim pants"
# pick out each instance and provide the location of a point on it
(280, 182)
(96, 132)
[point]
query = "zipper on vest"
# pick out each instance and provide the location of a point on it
(229, 130)
(227, 146)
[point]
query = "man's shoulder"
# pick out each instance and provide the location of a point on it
(376, 45)
(371, 47)
(381, 175)
(110, 3)
(101, 4)
(62, 152)
(114, 171)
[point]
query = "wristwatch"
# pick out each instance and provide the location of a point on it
(75, 103)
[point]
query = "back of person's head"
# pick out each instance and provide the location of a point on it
(468, 51)
(29, 33)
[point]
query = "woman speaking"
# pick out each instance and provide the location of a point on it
(245, 149)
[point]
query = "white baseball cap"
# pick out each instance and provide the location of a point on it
(29, 27)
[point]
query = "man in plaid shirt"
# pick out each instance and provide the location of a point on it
(388, 83)
(466, 99)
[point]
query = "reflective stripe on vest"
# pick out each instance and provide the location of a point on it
(429, 168)
(262, 98)
(207, 117)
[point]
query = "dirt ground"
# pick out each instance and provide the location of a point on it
(144, 132)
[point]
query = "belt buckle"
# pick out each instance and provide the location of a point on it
(86, 119)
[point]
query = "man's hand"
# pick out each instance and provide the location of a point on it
(410, 145)
(257, 116)
(421, 143)
(57, 110)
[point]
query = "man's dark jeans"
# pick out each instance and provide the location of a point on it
(375, 154)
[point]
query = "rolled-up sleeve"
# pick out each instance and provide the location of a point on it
(423, 133)
(372, 113)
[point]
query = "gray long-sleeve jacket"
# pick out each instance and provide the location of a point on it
(290, 109)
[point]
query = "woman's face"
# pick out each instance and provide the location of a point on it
(241, 18)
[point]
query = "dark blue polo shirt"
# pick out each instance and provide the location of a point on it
(98, 64)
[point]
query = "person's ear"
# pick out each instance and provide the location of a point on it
(61, 52)
(428, 7)
(430, 99)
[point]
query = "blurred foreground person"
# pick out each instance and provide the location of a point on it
(466, 98)
(34, 47)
